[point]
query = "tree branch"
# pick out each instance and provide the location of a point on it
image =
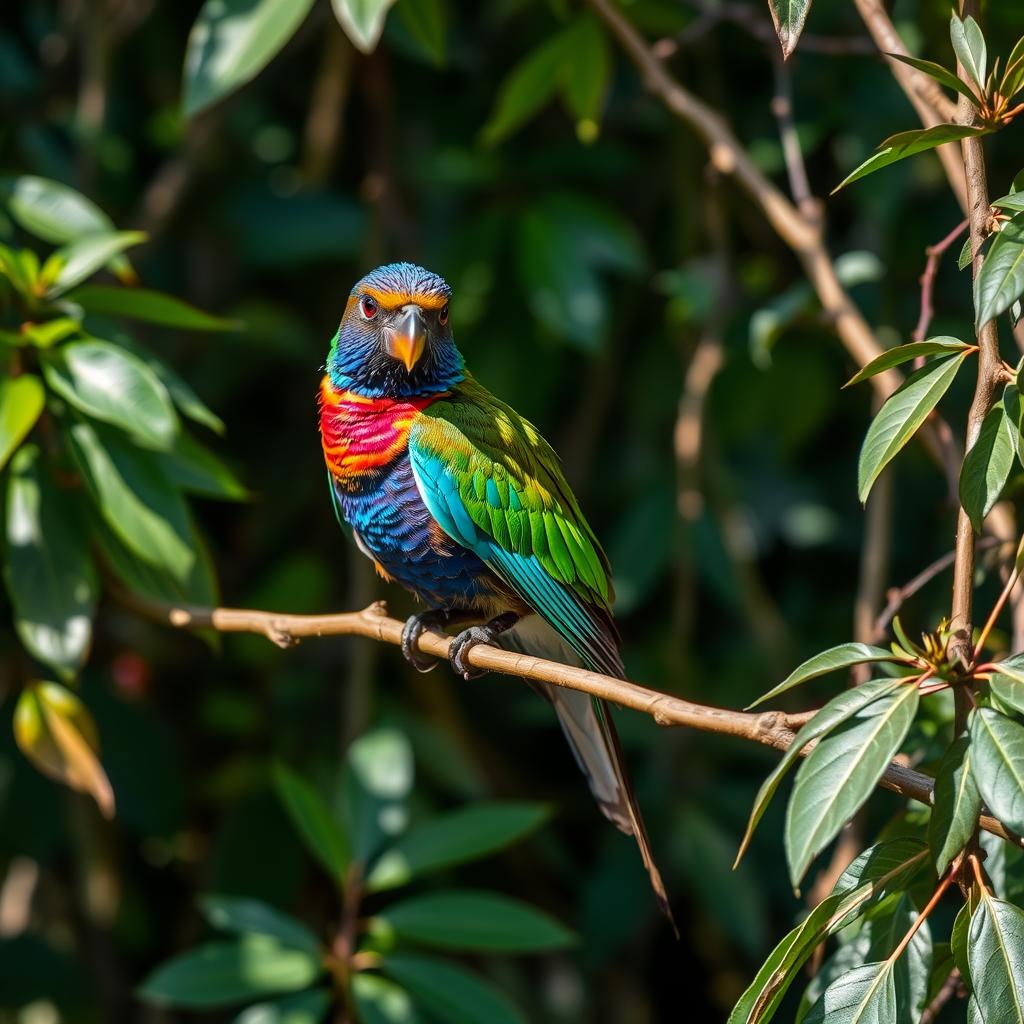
(770, 728)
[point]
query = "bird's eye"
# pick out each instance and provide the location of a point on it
(443, 315)
(368, 306)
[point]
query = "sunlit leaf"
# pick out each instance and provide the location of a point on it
(248, 916)
(956, 805)
(995, 949)
(969, 47)
(1008, 686)
(904, 353)
(381, 1001)
(378, 780)
(308, 1007)
(938, 72)
(1001, 281)
(997, 745)
(362, 20)
(81, 258)
(789, 17)
(986, 467)
(21, 401)
(867, 995)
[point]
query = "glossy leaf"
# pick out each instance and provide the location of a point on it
(843, 706)
(380, 1001)
(1014, 201)
(956, 805)
(995, 950)
(986, 467)
(56, 732)
(135, 499)
(449, 992)
(313, 821)
(110, 384)
(454, 838)
(467, 920)
(905, 353)
(901, 416)
(21, 401)
(938, 72)
(425, 21)
(247, 916)
(900, 146)
(49, 570)
(969, 47)
(867, 995)
(301, 1008)
(841, 772)
(789, 17)
(224, 973)
(1001, 281)
(835, 659)
(147, 305)
(1009, 688)
(362, 20)
(81, 258)
(997, 744)
(232, 41)
(378, 779)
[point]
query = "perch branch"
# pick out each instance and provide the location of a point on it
(771, 728)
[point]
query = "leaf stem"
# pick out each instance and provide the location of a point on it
(923, 916)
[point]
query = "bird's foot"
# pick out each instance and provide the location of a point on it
(465, 641)
(411, 632)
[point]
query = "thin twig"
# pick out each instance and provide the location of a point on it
(782, 108)
(949, 989)
(931, 267)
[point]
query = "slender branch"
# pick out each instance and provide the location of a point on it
(931, 268)
(782, 108)
(770, 728)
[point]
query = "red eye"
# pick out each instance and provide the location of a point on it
(368, 306)
(443, 316)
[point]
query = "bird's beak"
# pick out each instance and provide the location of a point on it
(409, 339)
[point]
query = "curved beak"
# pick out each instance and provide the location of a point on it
(409, 339)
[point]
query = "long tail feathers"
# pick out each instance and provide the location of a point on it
(590, 731)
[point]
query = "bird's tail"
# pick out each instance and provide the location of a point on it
(588, 726)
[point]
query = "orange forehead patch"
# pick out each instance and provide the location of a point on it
(393, 300)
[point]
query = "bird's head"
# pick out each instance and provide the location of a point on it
(395, 339)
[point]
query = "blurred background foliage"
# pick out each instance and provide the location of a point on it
(593, 252)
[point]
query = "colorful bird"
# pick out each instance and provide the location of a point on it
(456, 497)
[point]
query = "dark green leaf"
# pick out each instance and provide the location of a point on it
(378, 780)
(904, 353)
(995, 950)
(901, 416)
(789, 17)
(362, 20)
(109, 383)
(963, 261)
(449, 992)
(834, 713)
(958, 942)
(81, 258)
(150, 306)
(1001, 281)
(21, 401)
(425, 20)
(247, 916)
(187, 401)
(232, 41)
(302, 1008)
(841, 772)
(969, 47)
(454, 838)
(586, 74)
(1014, 409)
(986, 467)
(997, 745)
(314, 822)
(49, 570)
(194, 468)
(905, 144)
(468, 920)
(938, 72)
(380, 1001)
(222, 973)
(867, 995)
(833, 660)
(956, 805)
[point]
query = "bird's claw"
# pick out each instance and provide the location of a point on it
(465, 641)
(411, 632)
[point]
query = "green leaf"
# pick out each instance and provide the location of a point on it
(21, 401)
(586, 74)
(969, 47)
(187, 401)
(995, 950)
(247, 916)
(876, 872)
(997, 743)
(110, 384)
(1001, 281)
(313, 821)
(151, 306)
(378, 779)
(1014, 409)
(140, 505)
(841, 772)
(454, 838)
(833, 660)
(49, 570)
(904, 144)
(904, 353)
(232, 41)
(194, 468)
(901, 416)
(380, 1001)
(1014, 201)
(938, 72)
(223, 973)
(49, 332)
(789, 17)
(956, 805)
(986, 467)
(843, 706)
(867, 995)
(1009, 688)
(302, 1008)
(449, 992)
(963, 261)
(425, 22)
(362, 20)
(1013, 76)
(467, 920)
(958, 941)
(529, 86)
(74, 262)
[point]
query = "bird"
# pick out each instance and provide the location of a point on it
(460, 500)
